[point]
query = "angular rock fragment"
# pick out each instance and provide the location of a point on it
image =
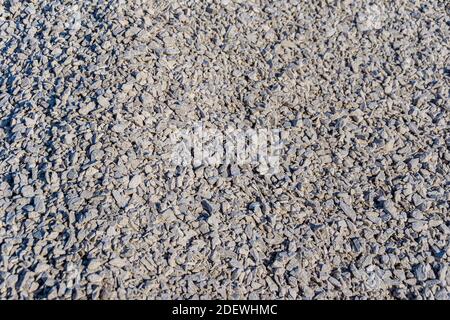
(347, 209)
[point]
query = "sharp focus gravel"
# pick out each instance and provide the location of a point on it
(91, 93)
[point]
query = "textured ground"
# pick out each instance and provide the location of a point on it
(92, 91)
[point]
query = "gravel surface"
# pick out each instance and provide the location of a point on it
(93, 92)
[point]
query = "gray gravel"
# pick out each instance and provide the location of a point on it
(92, 93)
